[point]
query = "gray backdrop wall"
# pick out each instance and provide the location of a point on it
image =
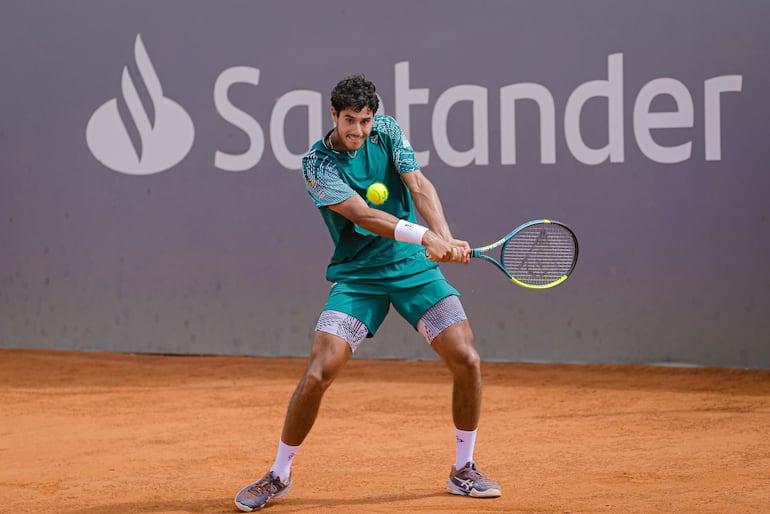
(150, 199)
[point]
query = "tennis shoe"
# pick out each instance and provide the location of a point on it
(469, 481)
(256, 495)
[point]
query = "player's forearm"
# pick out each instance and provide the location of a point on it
(428, 204)
(384, 224)
(377, 221)
(373, 220)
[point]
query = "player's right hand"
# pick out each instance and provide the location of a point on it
(438, 249)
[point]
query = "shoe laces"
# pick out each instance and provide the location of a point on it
(269, 483)
(472, 472)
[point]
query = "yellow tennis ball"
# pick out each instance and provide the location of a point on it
(377, 193)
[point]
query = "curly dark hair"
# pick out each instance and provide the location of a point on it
(355, 93)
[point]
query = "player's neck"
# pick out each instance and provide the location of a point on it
(329, 141)
(335, 143)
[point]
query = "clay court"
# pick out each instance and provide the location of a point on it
(89, 433)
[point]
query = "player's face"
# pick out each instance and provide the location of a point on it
(353, 127)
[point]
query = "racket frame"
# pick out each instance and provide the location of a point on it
(479, 254)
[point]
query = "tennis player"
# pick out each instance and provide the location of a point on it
(379, 260)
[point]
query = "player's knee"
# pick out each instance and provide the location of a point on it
(471, 360)
(467, 362)
(315, 382)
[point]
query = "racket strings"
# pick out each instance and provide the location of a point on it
(540, 254)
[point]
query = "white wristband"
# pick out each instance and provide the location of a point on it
(409, 232)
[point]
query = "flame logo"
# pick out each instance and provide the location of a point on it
(165, 134)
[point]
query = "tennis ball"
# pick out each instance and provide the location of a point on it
(377, 193)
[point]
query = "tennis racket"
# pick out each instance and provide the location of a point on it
(539, 254)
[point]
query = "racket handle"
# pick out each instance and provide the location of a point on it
(473, 253)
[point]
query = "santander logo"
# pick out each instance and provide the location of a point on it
(142, 135)
(165, 134)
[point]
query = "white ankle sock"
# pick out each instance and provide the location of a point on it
(464, 451)
(282, 464)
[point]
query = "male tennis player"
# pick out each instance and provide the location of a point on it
(379, 259)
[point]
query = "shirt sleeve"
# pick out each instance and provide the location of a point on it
(402, 153)
(323, 181)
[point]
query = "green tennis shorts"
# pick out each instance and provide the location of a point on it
(369, 300)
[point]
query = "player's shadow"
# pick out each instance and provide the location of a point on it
(358, 504)
(188, 503)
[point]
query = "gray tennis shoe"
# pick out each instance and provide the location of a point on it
(256, 495)
(469, 481)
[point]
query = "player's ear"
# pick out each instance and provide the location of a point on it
(334, 115)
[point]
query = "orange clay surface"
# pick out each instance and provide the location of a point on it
(103, 433)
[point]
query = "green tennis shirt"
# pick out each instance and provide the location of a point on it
(332, 177)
